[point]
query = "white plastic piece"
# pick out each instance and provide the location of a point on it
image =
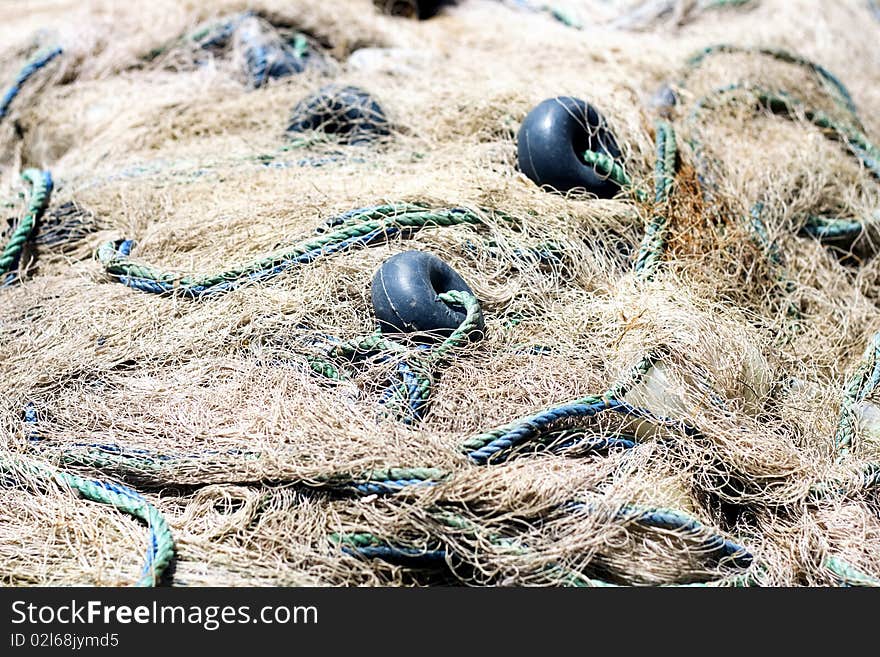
(659, 392)
(392, 61)
(868, 422)
(666, 394)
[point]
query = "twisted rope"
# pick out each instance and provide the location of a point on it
(643, 15)
(614, 171)
(632, 378)
(488, 446)
(111, 455)
(41, 190)
(849, 575)
(785, 104)
(212, 35)
(556, 13)
(832, 84)
(854, 138)
(592, 444)
(407, 398)
(723, 549)
(160, 542)
(829, 229)
(654, 241)
(362, 227)
(108, 455)
(485, 447)
(823, 228)
(773, 254)
(861, 384)
(40, 60)
(370, 546)
(721, 4)
(392, 480)
(668, 519)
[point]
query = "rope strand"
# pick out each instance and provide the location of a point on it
(41, 191)
(358, 228)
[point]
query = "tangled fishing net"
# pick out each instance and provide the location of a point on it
(676, 386)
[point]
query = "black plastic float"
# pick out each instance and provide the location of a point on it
(420, 9)
(404, 293)
(552, 140)
(349, 112)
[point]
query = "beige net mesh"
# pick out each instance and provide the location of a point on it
(155, 130)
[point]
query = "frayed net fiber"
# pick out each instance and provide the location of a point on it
(674, 386)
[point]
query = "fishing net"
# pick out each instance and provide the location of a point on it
(676, 386)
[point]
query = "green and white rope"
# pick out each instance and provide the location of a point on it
(357, 228)
(41, 189)
(654, 242)
(849, 575)
(407, 402)
(160, 550)
(861, 384)
(836, 89)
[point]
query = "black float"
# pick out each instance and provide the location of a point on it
(349, 112)
(404, 293)
(552, 140)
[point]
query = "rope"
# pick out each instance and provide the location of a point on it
(613, 170)
(160, 543)
(391, 480)
(211, 35)
(773, 254)
(408, 398)
(827, 229)
(862, 383)
(668, 519)
(490, 443)
(362, 227)
(40, 60)
(41, 190)
(855, 139)
(420, 557)
(726, 551)
(556, 13)
(487, 446)
(654, 242)
(109, 455)
(849, 575)
(722, 4)
(643, 15)
(783, 103)
(177, 173)
(369, 546)
(103, 455)
(592, 444)
(820, 227)
(832, 84)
